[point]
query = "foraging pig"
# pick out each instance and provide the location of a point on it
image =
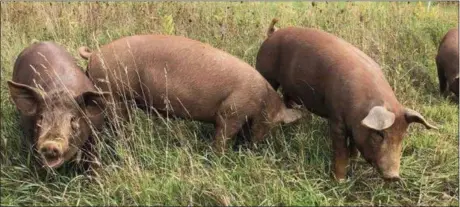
(57, 103)
(447, 63)
(185, 78)
(337, 81)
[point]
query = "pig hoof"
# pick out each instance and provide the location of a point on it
(341, 180)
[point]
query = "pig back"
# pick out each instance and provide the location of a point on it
(329, 75)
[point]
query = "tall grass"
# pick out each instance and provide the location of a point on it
(164, 162)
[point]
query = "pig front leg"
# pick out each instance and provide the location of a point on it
(340, 150)
(88, 158)
(28, 130)
(28, 141)
(288, 101)
(226, 128)
(243, 137)
(354, 153)
(258, 129)
(117, 115)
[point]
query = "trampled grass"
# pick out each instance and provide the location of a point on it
(171, 163)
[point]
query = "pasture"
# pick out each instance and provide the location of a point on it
(170, 162)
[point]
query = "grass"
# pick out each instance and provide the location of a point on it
(171, 163)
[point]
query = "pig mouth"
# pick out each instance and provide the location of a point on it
(54, 162)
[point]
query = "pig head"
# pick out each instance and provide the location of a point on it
(58, 105)
(379, 136)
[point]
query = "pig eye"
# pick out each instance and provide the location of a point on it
(380, 135)
(74, 122)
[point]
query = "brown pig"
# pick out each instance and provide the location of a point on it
(180, 77)
(447, 63)
(337, 81)
(57, 103)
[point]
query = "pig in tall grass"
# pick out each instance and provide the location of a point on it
(447, 63)
(179, 77)
(58, 105)
(337, 81)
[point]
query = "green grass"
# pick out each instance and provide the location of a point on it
(171, 163)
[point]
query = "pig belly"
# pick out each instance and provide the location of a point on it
(180, 101)
(174, 108)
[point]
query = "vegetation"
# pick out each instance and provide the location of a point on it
(170, 162)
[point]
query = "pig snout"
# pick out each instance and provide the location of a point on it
(52, 154)
(389, 168)
(391, 176)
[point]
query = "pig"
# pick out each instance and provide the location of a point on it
(58, 105)
(335, 80)
(447, 63)
(184, 78)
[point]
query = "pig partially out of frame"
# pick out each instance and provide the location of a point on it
(447, 63)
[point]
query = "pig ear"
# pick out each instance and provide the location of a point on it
(93, 102)
(25, 97)
(289, 115)
(413, 116)
(379, 118)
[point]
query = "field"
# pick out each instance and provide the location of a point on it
(170, 162)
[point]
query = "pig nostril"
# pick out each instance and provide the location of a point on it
(42, 150)
(54, 151)
(50, 151)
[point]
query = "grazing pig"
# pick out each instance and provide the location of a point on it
(179, 77)
(337, 81)
(57, 103)
(447, 62)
